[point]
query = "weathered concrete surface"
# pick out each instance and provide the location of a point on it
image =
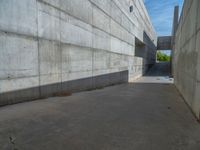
(186, 60)
(115, 118)
(175, 23)
(51, 42)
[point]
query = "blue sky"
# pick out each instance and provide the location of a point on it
(161, 14)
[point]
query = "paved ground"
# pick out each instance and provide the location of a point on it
(135, 116)
(159, 73)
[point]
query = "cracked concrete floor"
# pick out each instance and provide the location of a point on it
(135, 116)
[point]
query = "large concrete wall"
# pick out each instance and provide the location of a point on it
(186, 60)
(59, 46)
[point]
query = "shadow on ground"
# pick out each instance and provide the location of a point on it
(159, 69)
(137, 116)
(159, 73)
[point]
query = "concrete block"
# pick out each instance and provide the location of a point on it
(104, 5)
(10, 85)
(76, 22)
(115, 61)
(75, 35)
(99, 72)
(131, 41)
(50, 85)
(126, 36)
(139, 34)
(50, 90)
(65, 76)
(113, 70)
(50, 57)
(76, 66)
(78, 8)
(65, 59)
(49, 79)
(50, 30)
(55, 3)
(48, 9)
(18, 16)
(116, 13)
(115, 45)
(101, 20)
(124, 63)
(101, 80)
(101, 62)
(18, 55)
(81, 62)
(19, 96)
(79, 75)
(120, 4)
(126, 23)
(127, 49)
(77, 85)
(115, 78)
(116, 29)
(133, 29)
(101, 40)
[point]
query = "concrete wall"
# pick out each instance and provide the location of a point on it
(53, 46)
(164, 43)
(186, 61)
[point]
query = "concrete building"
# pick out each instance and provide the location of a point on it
(56, 47)
(50, 47)
(186, 55)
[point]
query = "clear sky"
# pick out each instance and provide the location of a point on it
(161, 14)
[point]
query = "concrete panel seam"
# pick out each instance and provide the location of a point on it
(112, 18)
(61, 10)
(21, 77)
(38, 48)
(187, 41)
(9, 33)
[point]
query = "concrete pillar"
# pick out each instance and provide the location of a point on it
(175, 20)
(174, 28)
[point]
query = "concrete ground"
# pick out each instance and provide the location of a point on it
(159, 73)
(134, 116)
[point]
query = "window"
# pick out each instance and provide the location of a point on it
(131, 8)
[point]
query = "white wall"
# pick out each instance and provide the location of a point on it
(45, 42)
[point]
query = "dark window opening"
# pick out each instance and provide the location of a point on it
(131, 8)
